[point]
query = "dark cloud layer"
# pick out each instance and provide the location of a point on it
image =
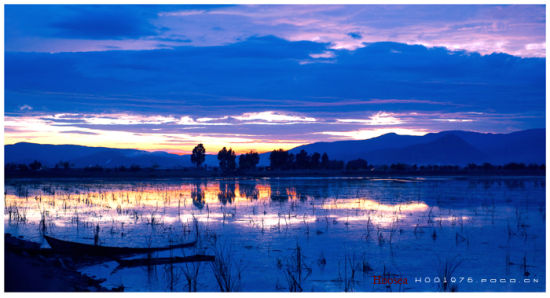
(263, 77)
(104, 23)
(268, 73)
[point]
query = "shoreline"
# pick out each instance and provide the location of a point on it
(25, 262)
(165, 174)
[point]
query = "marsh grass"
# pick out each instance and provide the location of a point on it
(42, 224)
(127, 213)
(172, 274)
(350, 266)
(446, 271)
(17, 214)
(227, 272)
(295, 270)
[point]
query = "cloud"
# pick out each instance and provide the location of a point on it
(372, 133)
(262, 131)
(380, 118)
(98, 23)
(325, 54)
(273, 117)
(210, 80)
(512, 29)
(52, 130)
(208, 119)
(455, 120)
(258, 91)
(80, 132)
(183, 13)
(355, 35)
(25, 108)
(126, 119)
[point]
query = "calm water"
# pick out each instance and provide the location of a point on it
(487, 233)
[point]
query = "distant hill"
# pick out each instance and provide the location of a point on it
(83, 156)
(447, 147)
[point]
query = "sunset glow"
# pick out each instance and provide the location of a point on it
(268, 77)
(274, 148)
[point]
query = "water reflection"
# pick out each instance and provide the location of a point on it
(409, 222)
(197, 194)
(248, 189)
(227, 191)
(250, 203)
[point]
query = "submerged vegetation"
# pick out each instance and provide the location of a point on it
(297, 234)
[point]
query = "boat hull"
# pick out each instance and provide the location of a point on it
(77, 248)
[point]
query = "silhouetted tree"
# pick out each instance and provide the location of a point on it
(10, 167)
(398, 166)
(315, 160)
(279, 159)
(35, 165)
(487, 166)
(96, 168)
(514, 166)
(22, 167)
(335, 165)
(198, 155)
(302, 160)
(227, 159)
(63, 165)
(357, 164)
(291, 161)
(324, 161)
(533, 166)
(248, 160)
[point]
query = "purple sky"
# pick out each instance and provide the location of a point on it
(262, 77)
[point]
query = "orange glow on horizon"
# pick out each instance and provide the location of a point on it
(35, 129)
(178, 136)
(151, 144)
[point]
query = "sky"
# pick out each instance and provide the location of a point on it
(167, 77)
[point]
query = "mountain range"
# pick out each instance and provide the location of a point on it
(447, 147)
(444, 148)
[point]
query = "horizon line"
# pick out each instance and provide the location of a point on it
(262, 152)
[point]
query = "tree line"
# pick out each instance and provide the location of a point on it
(279, 160)
(282, 160)
(226, 158)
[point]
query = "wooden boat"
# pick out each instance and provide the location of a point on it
(83, 249)
(161, 261)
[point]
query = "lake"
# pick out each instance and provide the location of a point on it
(310, 234)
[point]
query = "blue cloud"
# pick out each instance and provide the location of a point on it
(80, 132)
(267, 73)
(355, 35)
(88, 22)
(105, 23)
(517, 30)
